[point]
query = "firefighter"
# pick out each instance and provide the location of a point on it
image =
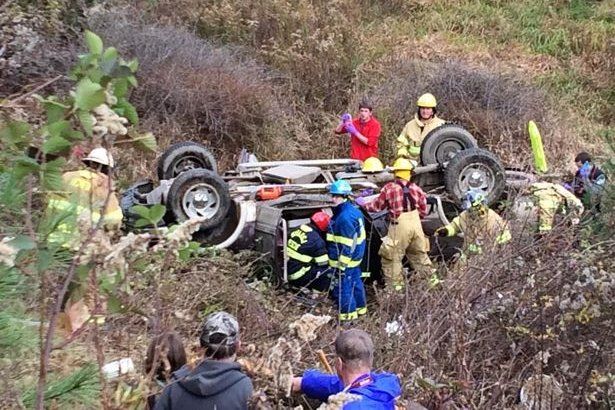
(87, 196)
(553, 198)
(407, 204)
(307, 254)
(414, 132)
(480, 225)
(346, 241)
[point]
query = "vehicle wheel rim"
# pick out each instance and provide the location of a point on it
(187, 163)
(478, 177)
(448, 149)
(201, 201)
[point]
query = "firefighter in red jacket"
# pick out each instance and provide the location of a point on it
(364, 132)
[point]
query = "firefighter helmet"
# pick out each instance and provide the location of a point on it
(340, 187)
(372, 164)
(100, 156)
(427, 100)
(321, 219)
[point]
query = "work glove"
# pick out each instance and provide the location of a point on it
(567, 186)
(583, 172)
(351, 128)
(367, 192)
(360, 201)
(346, 118)
(441, 232)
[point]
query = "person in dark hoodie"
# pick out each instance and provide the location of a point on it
(367, 390)
(217, 382)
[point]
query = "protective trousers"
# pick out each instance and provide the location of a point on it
(349, 293)
(547, 207)
(405, 237)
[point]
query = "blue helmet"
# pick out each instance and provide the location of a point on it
(473, 198)
(340, 187)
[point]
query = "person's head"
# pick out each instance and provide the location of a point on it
(340, 190)
(220, 336)
(165, 354)
(100, 160)
(426, 106)
(355, 353)
(402, 169)
(372, 165)
(475, 202)
(582, 158)
(321, 219)
(365, 110)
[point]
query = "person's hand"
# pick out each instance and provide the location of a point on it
(351, 128)
(346, 118)
(583, 172)
(360, 201)
(567, 186)
(296, 385)
(366, 192)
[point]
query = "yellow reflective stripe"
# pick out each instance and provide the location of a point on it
(305, 228)
(298, 256)
(340, 239)
(473, 248)
(300, 273)
(323, 259)
(344, 259)
(362, 311)
(503, 237)
(414, 150)
(366, 274)
(341, 264)
(81, 183)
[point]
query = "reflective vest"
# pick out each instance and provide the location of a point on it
(412, 136)
(554, 195)
(79, 206)
(305, 249)
(478, 229)
(346, 238)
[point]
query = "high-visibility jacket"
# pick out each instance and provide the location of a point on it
(479, 229)
(552, 198)
(80, 205)
(412, 136)
(306, 250)
(346, 237)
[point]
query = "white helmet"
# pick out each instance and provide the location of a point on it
(100, 156)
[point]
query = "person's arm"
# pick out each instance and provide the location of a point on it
(163, 402)
(451, 229)
(317, 385)
(420, 200)
(377, 204)
(341, 243)
(341, 127)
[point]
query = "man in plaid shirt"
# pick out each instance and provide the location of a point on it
(407, 204)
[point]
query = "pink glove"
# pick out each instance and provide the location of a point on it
(351, 129)
(360, 201)
(346, 117)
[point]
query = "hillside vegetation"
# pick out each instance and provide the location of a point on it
(273, 76)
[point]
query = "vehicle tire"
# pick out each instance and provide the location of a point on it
(475, 168)
(442, 143)
(199, 193)
(185, 156)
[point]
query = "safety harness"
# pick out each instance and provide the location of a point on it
(407, 197)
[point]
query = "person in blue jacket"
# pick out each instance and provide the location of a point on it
(346, 245)
(355, 356)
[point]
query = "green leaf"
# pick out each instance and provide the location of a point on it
(25, 166)
(86, 120)
(55, 145)
(94, 43)
(146, 142)
(60, 128)
(133, 81)
(88, 95)
(142, 223)
(133, 65)
(121, 71)
(156, 213)
(120, 87)
(22, 242)
(14, 132)
(126, 109)
(141, 210)
(110, 54)
(51, 175)
(115, 305)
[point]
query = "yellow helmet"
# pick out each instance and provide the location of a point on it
(402, 168)
(427, 101)
(372, 164)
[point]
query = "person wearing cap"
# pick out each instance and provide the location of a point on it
(307, 254)
(217, 382)
(425, 120)
(364, 132)
(480, 225)
(87, 196)
(346, 240)
(355, 355)
(407, 204)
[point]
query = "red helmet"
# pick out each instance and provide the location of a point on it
(321, 220)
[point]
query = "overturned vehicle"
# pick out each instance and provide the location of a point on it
(257, 204)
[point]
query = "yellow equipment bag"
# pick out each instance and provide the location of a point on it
(540, 161)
